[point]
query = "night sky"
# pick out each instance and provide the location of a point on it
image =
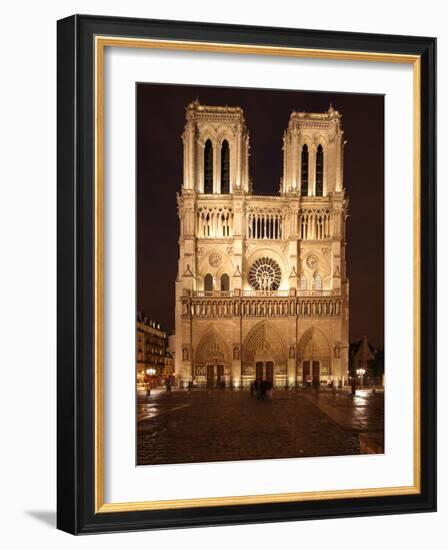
(160, 121)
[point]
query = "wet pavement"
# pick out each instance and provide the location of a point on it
(217, 425)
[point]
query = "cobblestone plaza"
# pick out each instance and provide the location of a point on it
(217, 425)
(261, 301)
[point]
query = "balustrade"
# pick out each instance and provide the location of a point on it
(262, 293)
(204, 306)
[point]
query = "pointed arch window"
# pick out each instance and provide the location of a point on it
(225, 282)
(318, 282)
(208, 283)
(225, 167)
(208, 167)
(319, 171)
(303, 282)
(304, 172)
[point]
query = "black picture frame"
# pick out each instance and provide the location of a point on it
(76, 512)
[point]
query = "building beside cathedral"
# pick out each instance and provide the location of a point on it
(262, 289)
(154, 361)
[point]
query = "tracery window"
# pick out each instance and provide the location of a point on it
(208, 167)
(213, 222)
(315, 223)
(318, 282)
(225, 167)
(304, 172)
(319, 171)
(303, 282)
(265, 274)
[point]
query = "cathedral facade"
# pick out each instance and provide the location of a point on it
(262, 289)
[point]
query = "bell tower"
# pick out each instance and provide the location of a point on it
(211, 212)
(216, 150)
(313, 154)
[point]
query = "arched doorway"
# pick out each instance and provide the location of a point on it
(264, 370)
(215, 374)
(264, 355)
(313, 358)
(211, 366)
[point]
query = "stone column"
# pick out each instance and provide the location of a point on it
(191, 157)
(338, 168)
(285, 163)
(185, 159)
(338, 374)
(236, 373)
(288, 163)
(294, 160)
(199, 172)
(245, 163)
(216, 166)
(291, 377)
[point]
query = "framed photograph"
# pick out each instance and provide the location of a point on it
(246, 274)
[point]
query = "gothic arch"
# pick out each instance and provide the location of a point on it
(225, 282)
(209, 283)
(205, 133)
(320, 139)
(224, 135)
(211, 348)
(318, 281)
(306, 139)
(313, 345)
(265, 343)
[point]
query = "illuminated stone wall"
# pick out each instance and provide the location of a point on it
(262, 280)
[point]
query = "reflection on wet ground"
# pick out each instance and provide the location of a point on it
(216, 425)
(146, 411)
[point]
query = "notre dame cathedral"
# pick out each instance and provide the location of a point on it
(262, 289)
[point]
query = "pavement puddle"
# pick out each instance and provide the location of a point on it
(151, 411)
(342, 418)
(179, 407)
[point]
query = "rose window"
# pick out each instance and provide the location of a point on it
(214, 259)
(312, 261)
(265, 274)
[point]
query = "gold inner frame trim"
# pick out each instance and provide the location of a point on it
(101, 42)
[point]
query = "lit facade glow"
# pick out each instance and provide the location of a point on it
(262, 289)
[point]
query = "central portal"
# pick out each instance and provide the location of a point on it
(264, 370)
(311, 376)
(215, 375)
(264, 355)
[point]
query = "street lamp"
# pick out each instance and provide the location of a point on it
(360, 373)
